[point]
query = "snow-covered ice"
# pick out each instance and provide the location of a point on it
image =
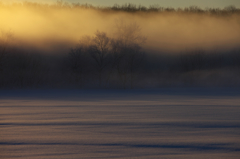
(164, 123)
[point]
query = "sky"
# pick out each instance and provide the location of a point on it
(163, 3)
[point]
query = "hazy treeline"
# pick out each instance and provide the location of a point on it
(81, 46)
(102, 62)
(129, 7)
(156, 8)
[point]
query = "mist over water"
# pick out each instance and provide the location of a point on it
(49, 27)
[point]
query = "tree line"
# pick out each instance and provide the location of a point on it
(109, 58)
(101, 61)
(129, 7)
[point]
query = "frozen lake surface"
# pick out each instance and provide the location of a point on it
(167, 123)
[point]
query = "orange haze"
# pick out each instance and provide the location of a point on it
(54, 27)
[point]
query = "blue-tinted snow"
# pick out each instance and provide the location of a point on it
(163, 123)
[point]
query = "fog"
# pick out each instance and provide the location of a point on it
(58, 26)
(82, 46)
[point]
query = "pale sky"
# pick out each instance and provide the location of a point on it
(164, 3)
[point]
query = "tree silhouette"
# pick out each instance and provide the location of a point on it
(100, 50)
(127, 50)
(128, 33)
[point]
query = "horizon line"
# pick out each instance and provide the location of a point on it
(64, 3)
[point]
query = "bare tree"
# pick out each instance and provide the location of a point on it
(122, 53)
(100, 51)
(127, 50)
(128, 33)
